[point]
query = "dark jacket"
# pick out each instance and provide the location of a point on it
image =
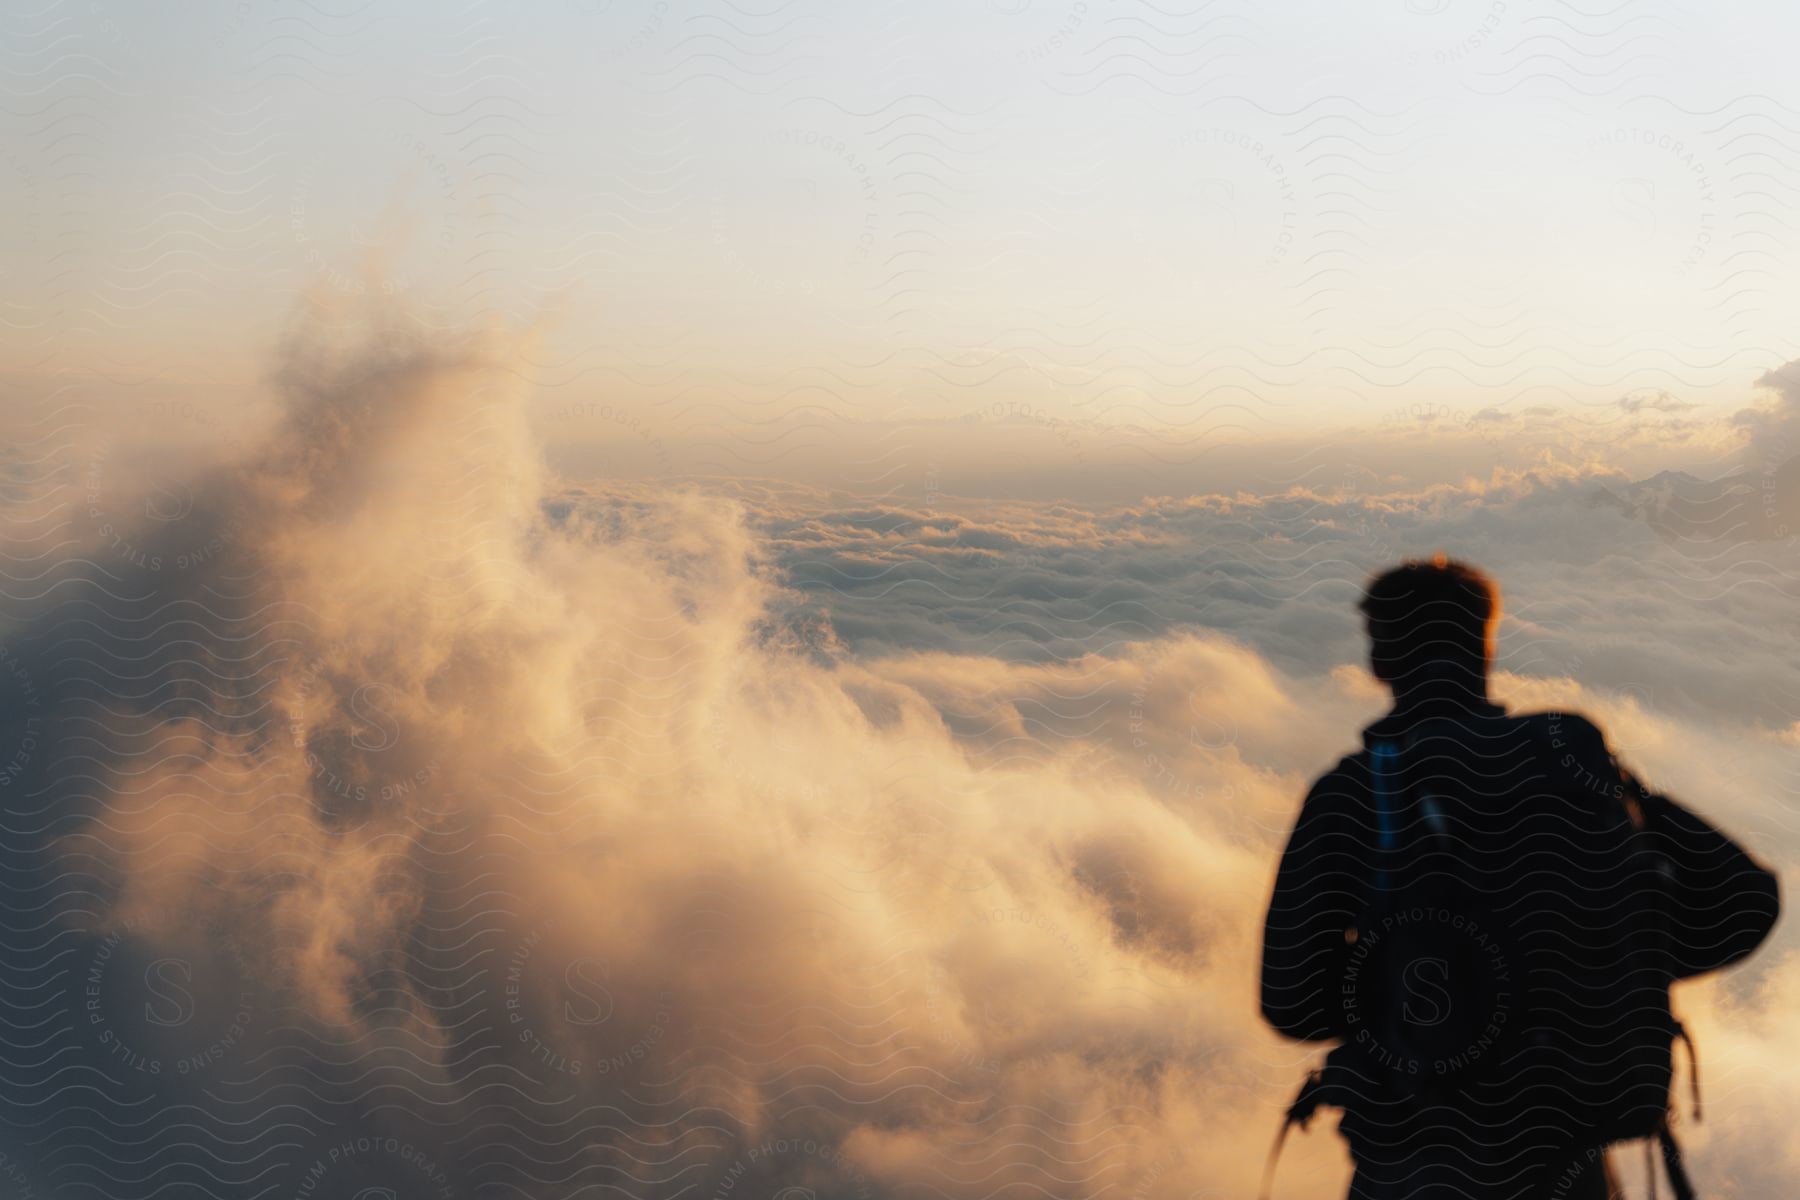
(1722, 902)
(1521, 798)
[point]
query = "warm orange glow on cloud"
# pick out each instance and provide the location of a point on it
(546, 821)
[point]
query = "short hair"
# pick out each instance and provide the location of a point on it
(1428, 615)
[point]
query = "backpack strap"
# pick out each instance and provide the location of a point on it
(1384, 764)
(1300, 1113)
(1679, 1183)
(1687, 1039)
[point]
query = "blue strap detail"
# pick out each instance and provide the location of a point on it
(1384, 757)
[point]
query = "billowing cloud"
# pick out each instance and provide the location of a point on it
(390, 814)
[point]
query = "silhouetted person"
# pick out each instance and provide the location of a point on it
(1486, 911)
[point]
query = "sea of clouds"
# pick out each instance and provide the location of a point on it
(385, 811)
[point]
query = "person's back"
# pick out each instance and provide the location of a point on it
(1487, 912)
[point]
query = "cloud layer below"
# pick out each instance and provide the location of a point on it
(387, 812)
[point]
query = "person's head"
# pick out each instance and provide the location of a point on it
(1431, 624)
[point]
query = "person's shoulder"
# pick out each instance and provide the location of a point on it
(1348, 780)
(1573, 747)
(1564, 728)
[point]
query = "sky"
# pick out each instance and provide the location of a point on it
(806, 240)
(674, 600)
